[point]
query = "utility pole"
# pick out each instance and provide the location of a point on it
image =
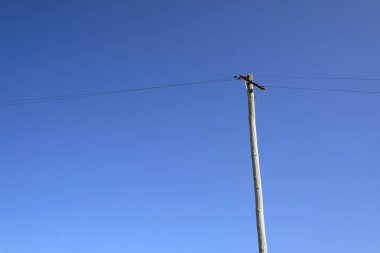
(255, 162)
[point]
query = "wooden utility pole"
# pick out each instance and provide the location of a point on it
(255, 163)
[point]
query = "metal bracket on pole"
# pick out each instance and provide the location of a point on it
(241, 77)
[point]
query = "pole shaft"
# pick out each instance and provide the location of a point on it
(256, 169)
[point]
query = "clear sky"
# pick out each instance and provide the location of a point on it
(169, 170)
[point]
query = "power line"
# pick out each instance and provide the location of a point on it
(320, 77)
(311, 88)
(323, 89)
(15, 102)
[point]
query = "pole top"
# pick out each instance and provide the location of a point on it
(248, 78)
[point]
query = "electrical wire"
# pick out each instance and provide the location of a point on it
(320, 78)
(15, 102)
(322, 89)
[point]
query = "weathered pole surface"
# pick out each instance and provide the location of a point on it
(256, 167)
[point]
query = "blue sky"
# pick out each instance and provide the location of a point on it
(169, 170)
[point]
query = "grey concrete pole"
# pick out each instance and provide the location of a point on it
(256, 167)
